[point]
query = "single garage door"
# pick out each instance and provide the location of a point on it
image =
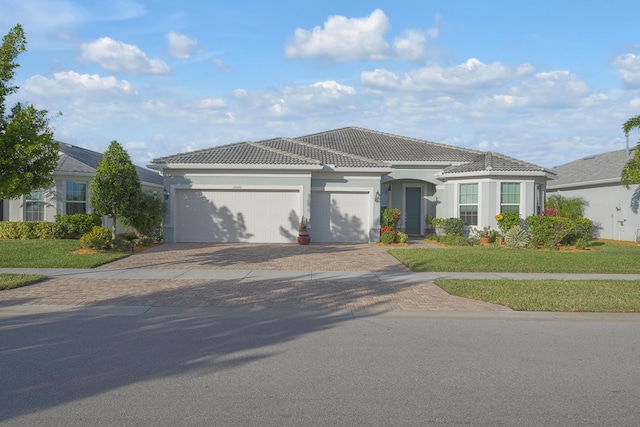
(340, 216)
(236, 216)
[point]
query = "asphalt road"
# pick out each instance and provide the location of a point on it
(169, 367)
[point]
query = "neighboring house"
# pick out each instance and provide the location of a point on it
(70, 190)
(612, 207)
(339, 180)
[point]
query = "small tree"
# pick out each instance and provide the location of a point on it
(28, 152)
(115, 189)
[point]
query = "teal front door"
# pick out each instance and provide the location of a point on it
(413, 210)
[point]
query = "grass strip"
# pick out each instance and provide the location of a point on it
(12, 281)
(603, 257)
(50, 254)
(615, 296)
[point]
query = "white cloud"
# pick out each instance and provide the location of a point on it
(211, 103)
(221, 65)
(472, 73)
(118, 57)
(629, 70)
(334, 88)
(71, 83)
(181, 46)
(353, 39)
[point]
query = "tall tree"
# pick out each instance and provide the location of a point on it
(631, 171)
(116, 188)
(29, 152)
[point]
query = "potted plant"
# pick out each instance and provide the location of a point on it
(303, 232)
(484, 234)
(429, 223)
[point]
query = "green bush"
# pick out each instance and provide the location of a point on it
(24, 230)
(507, 220)
(449, 226)
(583, 230)
(389, 217)
(401, 237)
(78, 224)
(455, 240)
(549, 231)
(516, 237)
(121, 244)
(99, 237)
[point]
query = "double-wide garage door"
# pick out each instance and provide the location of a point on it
(236, 216)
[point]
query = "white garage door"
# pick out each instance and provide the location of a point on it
(236, 216)
(340, 217)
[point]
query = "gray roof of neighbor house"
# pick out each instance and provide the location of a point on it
(350, 147)
(74, 159)
(603, 168)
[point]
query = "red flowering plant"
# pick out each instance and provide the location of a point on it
(549, 212)
(387, 234)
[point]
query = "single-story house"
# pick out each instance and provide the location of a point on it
(70, 191)
(338, 180)
(612, 207)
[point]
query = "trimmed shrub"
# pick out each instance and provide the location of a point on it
(24, 230)
(516, 237)
(401, 237)
(99, 237)
(78, 224)
(449, 226)
(48, 230)
(455, 240)
(549, 231)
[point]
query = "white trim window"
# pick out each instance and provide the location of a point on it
(76, 197)
(34, 205)
(468, 203)
(510, 197)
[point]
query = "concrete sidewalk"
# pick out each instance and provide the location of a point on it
(298, 275)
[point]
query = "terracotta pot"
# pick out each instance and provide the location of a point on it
(304, 239)
(485, 240)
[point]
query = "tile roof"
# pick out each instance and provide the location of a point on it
(387, 147)
(606, 166)
(349, 147)
(75, 159)
(493, 161)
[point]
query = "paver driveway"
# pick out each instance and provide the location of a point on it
(215, 291)
(248, 256)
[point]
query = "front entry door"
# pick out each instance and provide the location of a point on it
(413, 214)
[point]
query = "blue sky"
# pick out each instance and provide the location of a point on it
(546, 82)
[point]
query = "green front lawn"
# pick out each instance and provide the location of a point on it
(621, 296)
(11, 281)
(603, 257)
(50, 254)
